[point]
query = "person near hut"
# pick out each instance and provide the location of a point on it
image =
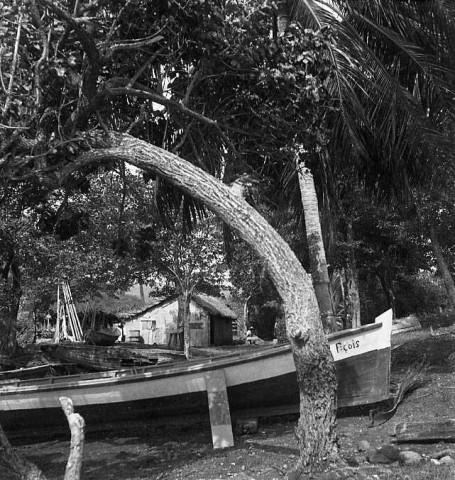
(250, 337)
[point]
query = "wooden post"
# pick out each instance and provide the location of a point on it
(57, 324)
(76, 424)
(220, 416)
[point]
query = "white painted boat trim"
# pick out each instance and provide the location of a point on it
(160, 382)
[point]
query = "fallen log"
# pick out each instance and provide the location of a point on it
(425, 431)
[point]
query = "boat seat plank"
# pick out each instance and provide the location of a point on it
(220, 416)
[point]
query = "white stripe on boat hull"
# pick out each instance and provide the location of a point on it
(178, 380)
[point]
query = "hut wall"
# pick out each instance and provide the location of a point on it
(221, 330)
(199, 326)
(155, 325)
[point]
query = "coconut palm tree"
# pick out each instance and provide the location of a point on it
(393, 82)
(391, 79)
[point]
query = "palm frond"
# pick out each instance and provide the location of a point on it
(392, 80)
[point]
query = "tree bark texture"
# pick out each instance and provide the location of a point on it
(385, 276)
(352, 280)
(10, 298)
(311, 352)
(13, 466)
(183, 320)
(283, 15)
(443, 267)
(318, 262)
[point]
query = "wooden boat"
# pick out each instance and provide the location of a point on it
(100, 358)
(257, 378)
(36, 371)
(102, 337)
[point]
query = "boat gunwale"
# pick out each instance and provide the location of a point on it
(129, 375)
(349, 333)
(141, 373)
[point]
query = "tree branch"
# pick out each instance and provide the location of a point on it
(88, 44)
(161, 100)
(2, 82)
(115, 22)
(133, 44)
(192, 84)
(44, 54)
(141, 70)
(9, 93)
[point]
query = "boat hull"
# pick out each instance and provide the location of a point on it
(104, 339)
(262, 379)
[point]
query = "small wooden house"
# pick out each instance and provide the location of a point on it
(210, 322)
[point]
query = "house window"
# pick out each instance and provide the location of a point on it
(149, 324)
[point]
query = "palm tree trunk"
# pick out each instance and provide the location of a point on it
(443, 267)
(316, 430)
(385, 277)
(352, 277)
(318, 262)
(283, 15)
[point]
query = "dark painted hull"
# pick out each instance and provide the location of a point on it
(263, 379)
(103, 339)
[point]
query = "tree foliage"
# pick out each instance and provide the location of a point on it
(393, 79)
(191, 261)
(209, 81)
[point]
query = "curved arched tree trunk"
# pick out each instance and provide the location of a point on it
(313, 360)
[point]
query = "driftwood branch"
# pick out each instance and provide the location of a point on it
(426, 431)
(76, 424)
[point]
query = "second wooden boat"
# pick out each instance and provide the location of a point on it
(102, 338)
(257, 378)
(101, 358)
